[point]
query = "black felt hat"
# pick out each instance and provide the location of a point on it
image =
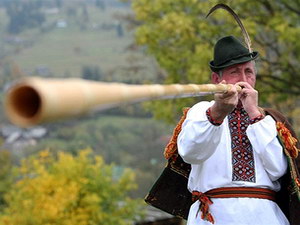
(230, 51)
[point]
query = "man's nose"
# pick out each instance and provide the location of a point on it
(243, 76)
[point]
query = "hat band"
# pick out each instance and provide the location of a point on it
(250, 54)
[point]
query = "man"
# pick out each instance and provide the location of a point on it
(232, 146)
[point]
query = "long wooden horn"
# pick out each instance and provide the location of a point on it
(36, 100)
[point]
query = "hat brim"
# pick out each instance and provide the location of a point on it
(243, 59)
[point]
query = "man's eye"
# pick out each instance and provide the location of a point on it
(234, 72)
(249, 72)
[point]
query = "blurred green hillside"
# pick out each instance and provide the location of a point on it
(79, 39)
(71, 38)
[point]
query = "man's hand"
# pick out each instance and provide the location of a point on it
(249, 98)
(224, 103)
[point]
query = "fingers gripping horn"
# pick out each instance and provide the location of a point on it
(236, 17)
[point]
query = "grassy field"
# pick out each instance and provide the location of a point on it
(64, 51)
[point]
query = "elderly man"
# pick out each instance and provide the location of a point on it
(232, 146)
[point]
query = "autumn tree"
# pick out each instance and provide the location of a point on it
(68, 190)
(181, 39)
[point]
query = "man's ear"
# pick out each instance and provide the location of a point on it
(215, 78)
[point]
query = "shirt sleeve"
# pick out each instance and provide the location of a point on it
(198, 138)
(263, 137)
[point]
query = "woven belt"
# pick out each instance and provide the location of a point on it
(228, 192)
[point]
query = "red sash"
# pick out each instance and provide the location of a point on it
(228, 192)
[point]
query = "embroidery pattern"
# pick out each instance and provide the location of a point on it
(212, 120)
(243, 167)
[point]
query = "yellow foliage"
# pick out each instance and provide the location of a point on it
(69, 190)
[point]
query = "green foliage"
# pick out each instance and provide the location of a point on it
(6, 179)
(23, 15)
(177, 34)
(68, 190)
(127, 141)
(92, 73)
(109, 136)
